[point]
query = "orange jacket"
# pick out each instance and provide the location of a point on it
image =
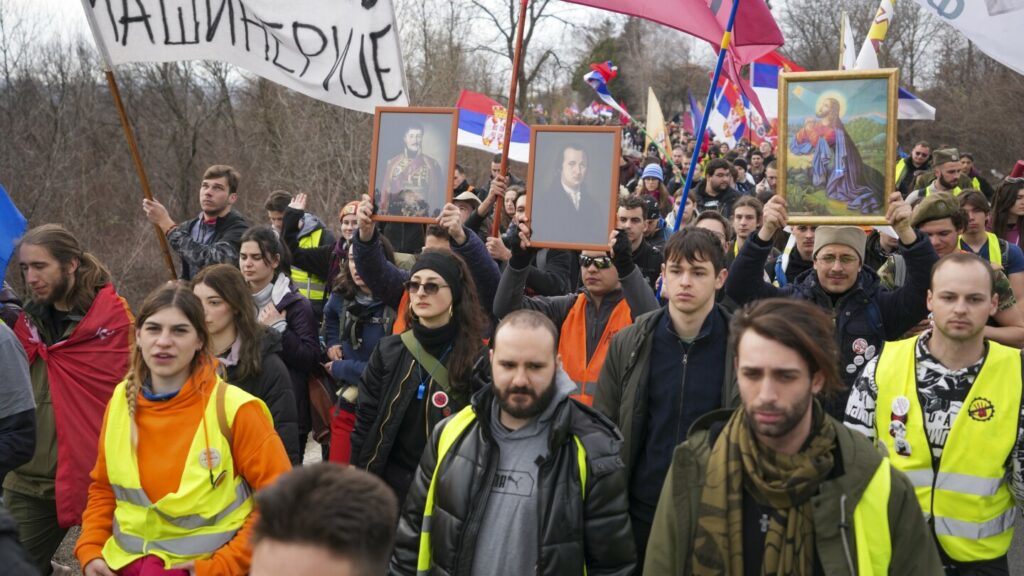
(165, 432)
(403, 305)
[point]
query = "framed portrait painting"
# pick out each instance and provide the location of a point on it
(573, 186)
(412, 162)
(837, 145)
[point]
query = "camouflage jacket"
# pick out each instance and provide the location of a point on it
(221, 249)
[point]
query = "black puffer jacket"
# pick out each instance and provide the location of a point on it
(572, 531)
(274, 387)
(387, 390)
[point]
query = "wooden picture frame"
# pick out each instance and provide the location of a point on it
(412, 189)
(837, 145)
(565, 222)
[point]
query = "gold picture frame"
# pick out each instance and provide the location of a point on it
(412, 187)
(836, 151)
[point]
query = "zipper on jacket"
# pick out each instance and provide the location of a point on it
(426, 408)
(391, 406)
(541, 464)
(682, 392)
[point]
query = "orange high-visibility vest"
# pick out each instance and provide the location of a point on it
(400, 326)
(572, 346)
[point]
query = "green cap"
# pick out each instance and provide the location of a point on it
(935, 206)
(940, 157)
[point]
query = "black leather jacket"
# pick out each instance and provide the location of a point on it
(571, 531)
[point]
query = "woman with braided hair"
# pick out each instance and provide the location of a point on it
(180, 455)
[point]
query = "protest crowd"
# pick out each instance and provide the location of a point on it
(740, 396)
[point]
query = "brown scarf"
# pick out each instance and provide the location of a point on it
(782, 482)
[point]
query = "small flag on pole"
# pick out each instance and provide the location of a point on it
(598, 78)
(12, 227)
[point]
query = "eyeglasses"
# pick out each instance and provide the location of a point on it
(430, 288)
(600, 262)
(845, 260)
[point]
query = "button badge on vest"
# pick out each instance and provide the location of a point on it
(205, 461)
(440, 400)
(981, 409)
(898, 425)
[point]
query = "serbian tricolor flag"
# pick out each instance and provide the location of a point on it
(482, 126)
(598, 78)
(764, 79)
(728, 118)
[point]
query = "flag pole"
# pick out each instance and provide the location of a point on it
(129, 135)
(726, 38)
(842, 38)
(510, 119)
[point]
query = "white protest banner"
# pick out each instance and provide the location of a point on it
(345, 52)
(993, 25)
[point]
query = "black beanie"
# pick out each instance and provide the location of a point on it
(444, 264)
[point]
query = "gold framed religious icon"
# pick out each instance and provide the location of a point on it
(573, 186)
(412, 162)
(837, 145)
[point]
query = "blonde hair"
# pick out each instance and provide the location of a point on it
(166, 296)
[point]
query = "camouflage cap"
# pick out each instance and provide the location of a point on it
(940, 157)
(935, 206)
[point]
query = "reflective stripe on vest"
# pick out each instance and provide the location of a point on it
(453, 430)
(572, 346)
(400, 325)
(928, 190)
(871, 524)
(994, 256)
(310, 286)
(967, 499)
(201, 516)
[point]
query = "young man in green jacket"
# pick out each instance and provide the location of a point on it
(778, 486)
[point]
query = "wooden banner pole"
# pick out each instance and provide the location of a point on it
(511, 109)
(129, 135)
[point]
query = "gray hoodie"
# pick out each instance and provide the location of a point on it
(507, 541)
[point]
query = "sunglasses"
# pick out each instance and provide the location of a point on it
(600, 262)
(430, 288)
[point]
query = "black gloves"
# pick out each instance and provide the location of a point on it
(623, 257)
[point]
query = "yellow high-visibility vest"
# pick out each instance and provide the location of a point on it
(929, 189)
(203, 514)
(901, 169)
(967, 499)
(995, 253)
(309, 285)
(871, 524)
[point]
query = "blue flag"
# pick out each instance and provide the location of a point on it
(12, 227)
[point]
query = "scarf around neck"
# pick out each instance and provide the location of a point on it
(782, 482)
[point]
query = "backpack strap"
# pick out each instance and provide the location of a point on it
(433, 366)
(222, 414)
